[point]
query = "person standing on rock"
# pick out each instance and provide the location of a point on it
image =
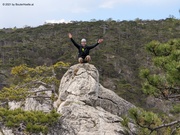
(83, 56)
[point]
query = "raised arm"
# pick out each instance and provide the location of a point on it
(75, 44)
(99, 41)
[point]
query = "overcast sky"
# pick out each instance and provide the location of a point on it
(41, 11)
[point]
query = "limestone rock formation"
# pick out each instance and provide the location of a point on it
(87, 107)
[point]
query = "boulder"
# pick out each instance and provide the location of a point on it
(87, 107)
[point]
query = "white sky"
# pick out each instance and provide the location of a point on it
(85, 10)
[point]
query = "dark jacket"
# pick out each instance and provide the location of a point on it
(83, 51)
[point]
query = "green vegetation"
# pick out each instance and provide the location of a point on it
(150, 123)
(13, 93)
(163, 79)
(176, 109)
(23, 80)
(30, 121)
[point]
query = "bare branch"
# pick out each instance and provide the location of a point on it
(34, 82)
(3, 74)
(42, 83)
(3, 103)
(166, 125)
(39, 97)
(174, 96)
(174, 88)
(174, 130)
(41, 91)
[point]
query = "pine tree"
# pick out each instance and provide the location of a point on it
(163, 78)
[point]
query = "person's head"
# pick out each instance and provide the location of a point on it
(83, 42)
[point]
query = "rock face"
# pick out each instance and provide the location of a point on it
(40, 102)
(88, 108)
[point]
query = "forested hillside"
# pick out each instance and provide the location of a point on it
(118, 59)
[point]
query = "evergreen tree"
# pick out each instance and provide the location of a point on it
(163, 78)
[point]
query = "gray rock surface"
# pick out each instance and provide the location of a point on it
(40, 101)
(87, 107)
(6, 131)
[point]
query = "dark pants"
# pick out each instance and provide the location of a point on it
(86, 59)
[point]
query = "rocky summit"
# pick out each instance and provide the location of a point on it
(86, 107)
